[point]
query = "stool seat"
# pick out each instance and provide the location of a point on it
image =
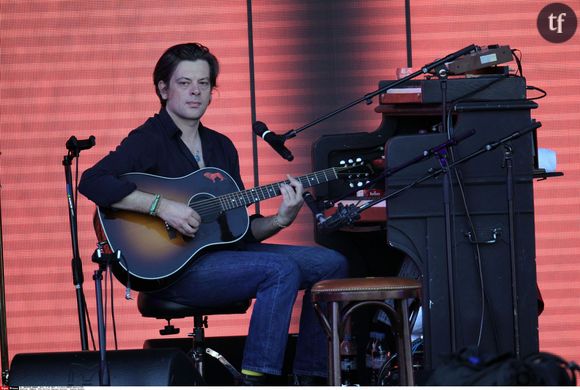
(343, 296)
(150, 305)
(364, 289)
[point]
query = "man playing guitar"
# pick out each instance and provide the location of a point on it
(174, 143)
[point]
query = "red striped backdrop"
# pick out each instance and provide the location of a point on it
(84, 68)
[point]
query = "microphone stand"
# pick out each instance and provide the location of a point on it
(508, 158)
(449, 244)
(104, 260)
(77, 270)
(437, 64)
(3, 333)
(447, 187)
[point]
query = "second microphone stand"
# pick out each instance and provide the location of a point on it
(76, 263)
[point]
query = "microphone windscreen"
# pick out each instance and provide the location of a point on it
(259, 128)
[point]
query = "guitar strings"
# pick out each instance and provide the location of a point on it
(221, 203)
(211, 206)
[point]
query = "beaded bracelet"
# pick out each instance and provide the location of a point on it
(154, 205)
(277, 223)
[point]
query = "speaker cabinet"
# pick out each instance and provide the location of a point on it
(160, 367)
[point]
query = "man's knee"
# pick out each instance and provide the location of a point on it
(284, 271)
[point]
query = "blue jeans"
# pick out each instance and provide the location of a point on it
(272, 274)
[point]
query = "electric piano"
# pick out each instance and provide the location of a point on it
(473, 244)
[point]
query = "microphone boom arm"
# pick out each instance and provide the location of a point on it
(369, 96)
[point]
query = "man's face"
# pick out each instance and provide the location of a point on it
(189, 91)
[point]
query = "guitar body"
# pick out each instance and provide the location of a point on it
(154, 256)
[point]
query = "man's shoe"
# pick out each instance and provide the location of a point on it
(253, 380)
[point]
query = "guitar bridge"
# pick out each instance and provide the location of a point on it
(171, 233)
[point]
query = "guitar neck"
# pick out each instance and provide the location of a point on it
(256, 194)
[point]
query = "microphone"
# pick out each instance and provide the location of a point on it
(276, 141)
(344, 215)
(75, 145)
(311, 203)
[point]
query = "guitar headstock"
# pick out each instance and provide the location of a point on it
(355, 171)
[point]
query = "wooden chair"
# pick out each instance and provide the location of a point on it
(351, 294)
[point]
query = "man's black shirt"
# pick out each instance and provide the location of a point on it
(156, 148)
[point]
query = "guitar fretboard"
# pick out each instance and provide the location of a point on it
(256, 194)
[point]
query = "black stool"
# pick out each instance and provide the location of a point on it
(153, 307)
(357, 292)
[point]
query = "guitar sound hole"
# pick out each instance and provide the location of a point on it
(208, 210)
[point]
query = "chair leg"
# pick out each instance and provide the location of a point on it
(334, 355)
(404, 344)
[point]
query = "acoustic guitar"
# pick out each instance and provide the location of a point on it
(152, 255)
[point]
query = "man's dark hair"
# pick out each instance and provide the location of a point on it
(183, 52)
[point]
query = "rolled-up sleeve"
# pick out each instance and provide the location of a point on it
(103, 183)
